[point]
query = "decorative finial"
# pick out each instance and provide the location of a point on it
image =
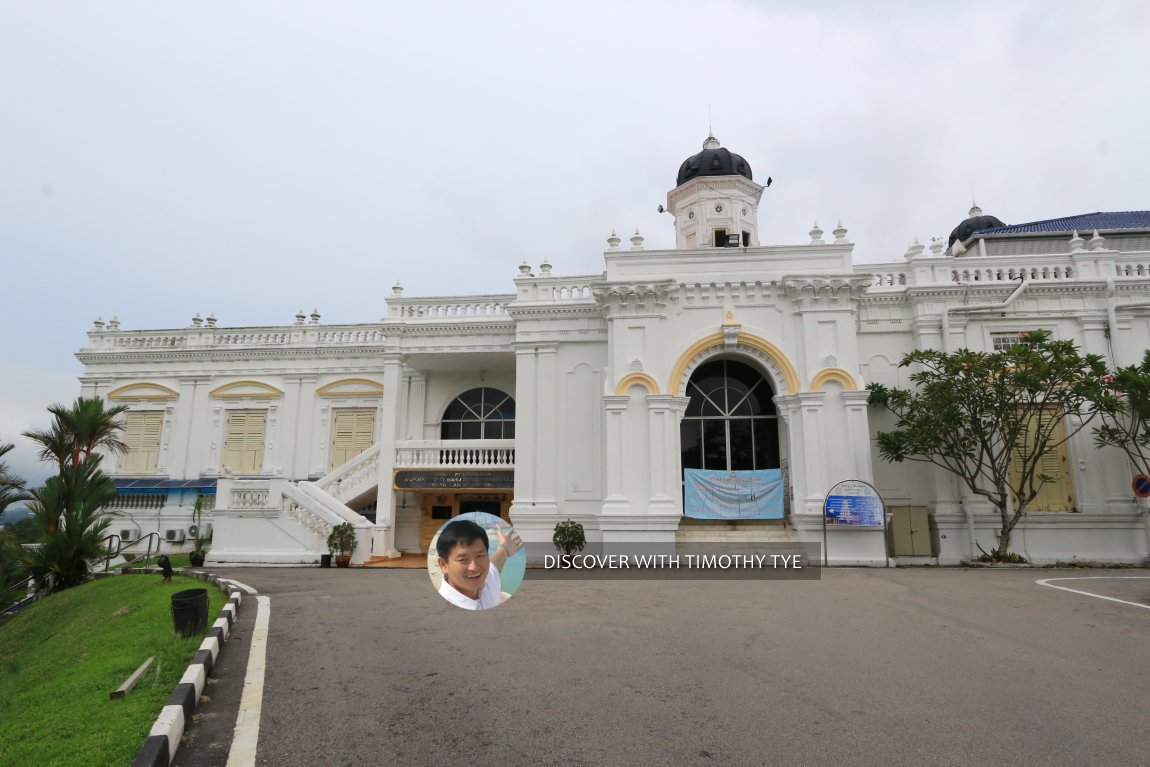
(98, 324)
(396, 290)
(299, 317)
(975, 211)
(210, 320)
(525, 269)
(915, 249)
(545, 268)
(613, 241)
(114, 323)
(816, 235)
(936, 246)
(1076, 242)
(1097, 242)
(840, 233)
(315, 316)
(637, 240)
(197, 320)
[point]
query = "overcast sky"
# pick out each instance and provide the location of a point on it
(160, 159)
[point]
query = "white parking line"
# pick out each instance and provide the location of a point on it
(247, 732)
(1047, 582)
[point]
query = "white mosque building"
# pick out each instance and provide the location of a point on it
(585, 397)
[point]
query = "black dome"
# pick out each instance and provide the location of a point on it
(976, 223)
(714, 160)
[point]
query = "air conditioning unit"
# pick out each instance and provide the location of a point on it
(193, 530)
(127, 536)
(175, 535)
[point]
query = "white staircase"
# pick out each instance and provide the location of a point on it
(743, 532)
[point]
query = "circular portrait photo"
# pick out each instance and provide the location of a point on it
(476, 561)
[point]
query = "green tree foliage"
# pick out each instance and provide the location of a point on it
(69, 511)
(78, 430)
(989, 417)
(12, 488)
(1128, 429)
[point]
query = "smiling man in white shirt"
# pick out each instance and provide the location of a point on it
(470, 574)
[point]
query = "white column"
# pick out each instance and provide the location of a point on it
(857, 442)
(812, 451)
(384, 535)
(302, 390)
(526, 426)
(416, 404)
(615, 408)
(547, 434)
(665, 453)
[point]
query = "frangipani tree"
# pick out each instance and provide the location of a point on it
(990, 417)
(1128, 429)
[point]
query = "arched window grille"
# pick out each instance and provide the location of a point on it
(482, 413)
(731, 423)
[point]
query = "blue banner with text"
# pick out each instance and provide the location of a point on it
(733, 494)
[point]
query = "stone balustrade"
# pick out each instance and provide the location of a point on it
(1079, 265)
(242, 499)
(140, 501)
(470, 453)
(112, 339)
(560, 289)
(352, 478)
(449, 307)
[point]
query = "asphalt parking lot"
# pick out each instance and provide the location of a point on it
(865, 666)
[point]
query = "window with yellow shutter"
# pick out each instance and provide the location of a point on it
(352, 432)
(244, 441)
(1057, 494)
(142, 436)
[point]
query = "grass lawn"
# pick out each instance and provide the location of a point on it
(60, 657)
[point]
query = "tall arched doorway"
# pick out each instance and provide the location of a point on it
(731, 423)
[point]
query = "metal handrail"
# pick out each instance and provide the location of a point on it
(122, 544)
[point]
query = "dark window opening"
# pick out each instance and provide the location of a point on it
(479, 414)
(720, 238)
(746, 239)
(731, 423)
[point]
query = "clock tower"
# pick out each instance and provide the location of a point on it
(715, 201)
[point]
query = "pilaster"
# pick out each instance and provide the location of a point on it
(664, 413)
(615, 408)
(384, 534)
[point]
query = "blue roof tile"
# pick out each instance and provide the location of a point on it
(1086, 222)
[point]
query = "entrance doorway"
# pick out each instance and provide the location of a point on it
(489, 507)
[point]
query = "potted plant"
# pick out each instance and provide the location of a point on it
(341, 542)
(569, 537)
(199, 552)
(200, 549)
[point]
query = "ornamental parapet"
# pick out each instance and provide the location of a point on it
(970, 269)
(452, 308)
(111, 339)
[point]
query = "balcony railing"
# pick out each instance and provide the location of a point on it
(456, 453)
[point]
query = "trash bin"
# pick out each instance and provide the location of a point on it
(190, 611)
(325, 560)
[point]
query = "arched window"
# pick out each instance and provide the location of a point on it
(731, 423)
(479, 414)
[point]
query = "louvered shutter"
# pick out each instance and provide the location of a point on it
(1058, 493)
(142, 436)
(352, 432)
(244, 441)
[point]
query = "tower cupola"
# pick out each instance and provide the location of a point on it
(715, 200)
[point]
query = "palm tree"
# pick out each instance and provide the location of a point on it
(12, 488)
(69, 510)
(80, 429)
